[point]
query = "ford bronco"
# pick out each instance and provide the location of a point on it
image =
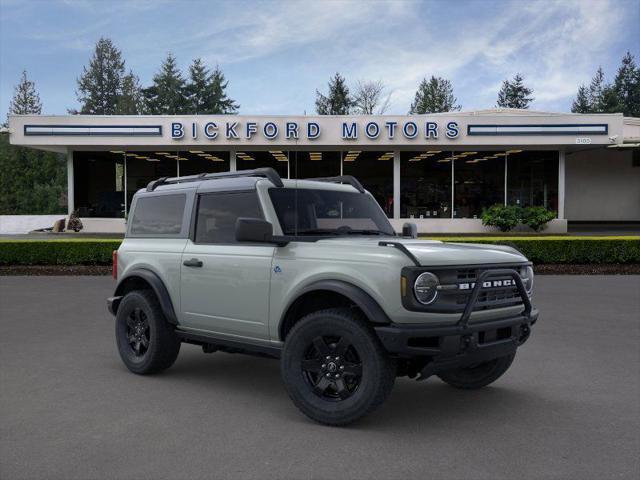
(312, 272)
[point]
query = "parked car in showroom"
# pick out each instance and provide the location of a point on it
(312, 272)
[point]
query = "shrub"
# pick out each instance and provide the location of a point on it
(57, 252)
(569, 250)
(503, 217)
(537, 217)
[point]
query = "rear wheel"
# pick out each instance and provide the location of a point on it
(334, 368)
(478, 376)
(147, 343)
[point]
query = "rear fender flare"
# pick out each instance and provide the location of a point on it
(157, 285)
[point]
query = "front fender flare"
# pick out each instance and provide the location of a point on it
(158, 287)
(358, 296)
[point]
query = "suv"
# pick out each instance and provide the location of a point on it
(312, 272)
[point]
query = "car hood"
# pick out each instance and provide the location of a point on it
(433, 252)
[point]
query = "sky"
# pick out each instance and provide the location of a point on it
(275, 54)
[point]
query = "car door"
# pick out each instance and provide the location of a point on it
(225, 284)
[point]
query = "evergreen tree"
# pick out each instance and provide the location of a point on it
(627, 86)
(581, 104)
(167, 95)
(99, 86)
(130, 101)
(433, 96)
(25, 99)
(196, 89)
(218, 100)
(338, 101)
(31, 181)
(514, 94)
(206, 92)
(596, 91)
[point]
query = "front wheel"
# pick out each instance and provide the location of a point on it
(334, 368)
(477, 376)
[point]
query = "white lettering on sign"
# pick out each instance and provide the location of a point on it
(350, 130)
(583, 141)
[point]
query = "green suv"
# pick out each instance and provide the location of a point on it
(312, 272)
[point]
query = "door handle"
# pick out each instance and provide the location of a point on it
(194, 262)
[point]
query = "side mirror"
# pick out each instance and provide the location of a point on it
(253, 230)
(410, 230)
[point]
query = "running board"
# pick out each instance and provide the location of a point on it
(212, 343)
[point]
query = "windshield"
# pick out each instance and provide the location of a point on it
(328, 212)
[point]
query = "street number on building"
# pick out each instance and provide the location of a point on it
(583, 141)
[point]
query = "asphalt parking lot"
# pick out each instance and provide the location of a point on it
(568, 408)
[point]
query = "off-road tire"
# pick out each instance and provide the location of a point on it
(478, 376)
(377, 369)
(163, 343)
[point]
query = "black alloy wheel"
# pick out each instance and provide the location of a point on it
(147, 343)
(138, 332)
(332, 367)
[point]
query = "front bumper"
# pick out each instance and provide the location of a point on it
(444, 347)
(490, 338)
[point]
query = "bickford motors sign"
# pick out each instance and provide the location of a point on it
(294, 130)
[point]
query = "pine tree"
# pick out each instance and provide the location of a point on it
(196, 89)
(338, 101)
(130, 101)
(25, 99)
(218, 100)
(167, 95)
(99, 86)
(206, 92)
(514, 94)
(31, 181)
(627, 86)
(581, 104)
(434, 95)
(596, 91)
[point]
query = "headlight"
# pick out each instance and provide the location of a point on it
(529, 280)
(426, 288)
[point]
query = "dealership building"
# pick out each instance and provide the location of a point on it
(439, 170)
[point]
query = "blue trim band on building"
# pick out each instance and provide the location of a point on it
(532, 129)
(94, 130)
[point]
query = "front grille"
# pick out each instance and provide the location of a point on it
(454, 300)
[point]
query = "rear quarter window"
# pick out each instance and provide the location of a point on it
(158, 215)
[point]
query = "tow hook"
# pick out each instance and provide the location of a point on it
(469, 342)
(525, 331)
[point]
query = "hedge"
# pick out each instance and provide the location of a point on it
(566, 249)
(57, 252)
(548, 249)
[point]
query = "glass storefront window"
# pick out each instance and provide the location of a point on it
(277, 159)
(425, 184)
(478, 182)
(194, 162)
(314, 164)
(99, 184)
(532, 179)
(375, 172)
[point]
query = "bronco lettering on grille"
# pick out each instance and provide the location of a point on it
(488, 284)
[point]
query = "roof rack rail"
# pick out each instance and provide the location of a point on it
(266, 172)
(351, 180)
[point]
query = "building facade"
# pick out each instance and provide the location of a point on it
(439, 171)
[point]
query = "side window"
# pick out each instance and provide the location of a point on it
(218, 212)
(158, 215)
